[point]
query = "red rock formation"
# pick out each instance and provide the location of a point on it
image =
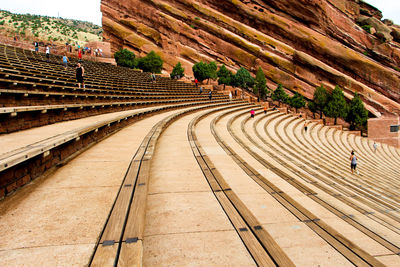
(299, 43)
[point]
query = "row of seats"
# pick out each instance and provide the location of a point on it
(31, 86)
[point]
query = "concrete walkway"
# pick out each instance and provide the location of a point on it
(56, 220)
(185, 225)
(291, 234)
(17, 140)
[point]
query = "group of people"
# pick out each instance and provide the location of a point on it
(253, 113)
(201, 90)
(81, 52)
(97, 52)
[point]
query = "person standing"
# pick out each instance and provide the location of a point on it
(201, 89)
(36, 47)
(252, 113)
(353, 162)
(265, 110)
(48, 53)
(375, 146)
(196, 82)
(80, 54)
(80, 72)
(210, 95)
(306, 126)
(65, 61)
(230, 96)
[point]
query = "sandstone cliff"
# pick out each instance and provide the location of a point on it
(299, 43)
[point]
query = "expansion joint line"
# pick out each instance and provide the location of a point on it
(261, 246)
(338, 242)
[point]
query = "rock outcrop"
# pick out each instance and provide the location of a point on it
(299, 43)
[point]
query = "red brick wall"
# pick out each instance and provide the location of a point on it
(379, 130)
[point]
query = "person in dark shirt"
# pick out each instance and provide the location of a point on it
(80, 72)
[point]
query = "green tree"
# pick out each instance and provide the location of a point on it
(151, 63)
(320, 99)
(297, 101)
(243, 79)
(260, 84)
(212, 70)
(125, 58)
(280, 95)
(200, 71)
(225, 76)
(336, 106)
(312, 107)
(177, 71)
(358, 114)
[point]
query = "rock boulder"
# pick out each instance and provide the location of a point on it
(299, 43)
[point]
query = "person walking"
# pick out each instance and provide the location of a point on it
(80, 72)
(230, 96)
(265, 110)
(201, 89)
(65, 61)
(80, 55)
(48, 53)
(353, 162)
(196, 82)
(375, 146)
(306, 126)
(252, 113)
(36, 47)
(210, 95)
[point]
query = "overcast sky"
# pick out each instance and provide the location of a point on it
(89, 10)
(86, 10)
(389, 8)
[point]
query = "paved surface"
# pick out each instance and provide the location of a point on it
(56, 220)
(185, 225)
(13, 141)
(289, 233)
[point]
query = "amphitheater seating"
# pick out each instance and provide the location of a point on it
(134, 172)
(36, 92)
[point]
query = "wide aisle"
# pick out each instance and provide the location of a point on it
(185, 225)
(56, 220)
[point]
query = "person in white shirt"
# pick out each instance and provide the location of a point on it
(48, 53)
(375, 146)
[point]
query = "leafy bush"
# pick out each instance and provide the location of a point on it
(125, 58)
(297, 101)
(212, 70)
(357, 113)
(177, 71)
(200, 71)
(367, 28)
(312, 107)
(151, 63)
(320, 99)
(280, 95)
(225, 76)
(336, 106)
(243, 79)
(260, 84)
